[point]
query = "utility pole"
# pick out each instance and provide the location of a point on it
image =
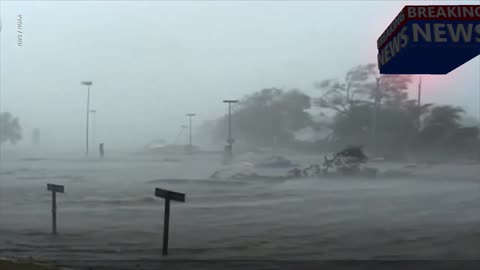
(230, 139)
(419, 103)
(88, 84)
(190, 115)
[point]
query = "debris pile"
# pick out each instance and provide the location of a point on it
(348, 162)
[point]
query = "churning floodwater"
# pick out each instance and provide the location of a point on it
(108, 216)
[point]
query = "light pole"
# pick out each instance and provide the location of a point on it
(190, 115)
(88, 84)
(94, 112)
(230, 139)
(375, 113)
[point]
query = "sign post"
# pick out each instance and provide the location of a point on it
(54, 189)
(167, 195)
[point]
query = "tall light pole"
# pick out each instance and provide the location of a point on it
(88, 84)
(230, 139)
(375, 114)
(190, 115)
(94, 112)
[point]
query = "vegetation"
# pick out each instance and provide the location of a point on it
(268, 117)
(10, 129)
(364, 108)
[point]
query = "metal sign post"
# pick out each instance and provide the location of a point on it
(54, 189)
(167, 195)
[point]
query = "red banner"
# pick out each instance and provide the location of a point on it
(457, 13)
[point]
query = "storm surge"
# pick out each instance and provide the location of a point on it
(108, 217)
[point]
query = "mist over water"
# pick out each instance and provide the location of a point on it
(151, 63)
(108, 214)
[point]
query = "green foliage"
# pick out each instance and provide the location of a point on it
(268, 117)
(392, 90)
(443, 132)
(375, 110)
(364, 108)
(10, 129)
(340, 96)
(367, 103)
(445, 117)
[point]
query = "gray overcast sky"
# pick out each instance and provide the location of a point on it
(152, 62)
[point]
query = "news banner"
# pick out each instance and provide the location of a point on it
(430, 39)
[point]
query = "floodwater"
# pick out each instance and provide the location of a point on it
(108, 217)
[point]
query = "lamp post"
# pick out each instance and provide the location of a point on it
(88, 84)
(94, 112)
(190, 115)
(230, 139)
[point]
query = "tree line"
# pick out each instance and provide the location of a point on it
(10, 129)
(363, 108)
